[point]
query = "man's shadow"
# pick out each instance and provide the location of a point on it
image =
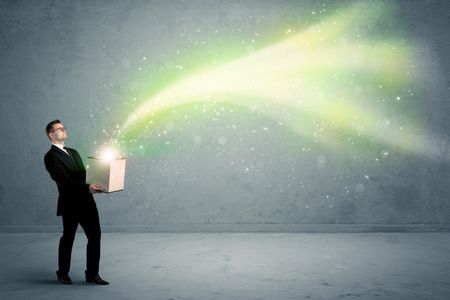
(40, 277)
(36, 277)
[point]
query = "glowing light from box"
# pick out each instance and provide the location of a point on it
(108, 153)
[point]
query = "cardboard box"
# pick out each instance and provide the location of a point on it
(109, 173)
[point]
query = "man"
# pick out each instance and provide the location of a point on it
(76, 204)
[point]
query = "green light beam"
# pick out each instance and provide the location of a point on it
(322, 71)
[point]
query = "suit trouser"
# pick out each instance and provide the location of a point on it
(90, 223)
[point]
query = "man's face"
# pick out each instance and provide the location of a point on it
(59, 133)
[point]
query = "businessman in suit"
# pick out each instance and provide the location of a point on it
(76, 204)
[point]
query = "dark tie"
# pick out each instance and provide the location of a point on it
(67, 150)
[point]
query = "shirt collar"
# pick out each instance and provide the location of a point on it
(61, 147)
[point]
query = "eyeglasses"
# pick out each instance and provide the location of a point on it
(60, 128)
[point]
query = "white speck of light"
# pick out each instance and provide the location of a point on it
(222, 140)
(197, 140)
(321, 160)
(360, 187)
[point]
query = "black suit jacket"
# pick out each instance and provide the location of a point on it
(70, 176)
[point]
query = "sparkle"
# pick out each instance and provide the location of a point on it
(222, 140)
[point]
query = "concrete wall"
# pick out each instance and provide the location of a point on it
(80, 61)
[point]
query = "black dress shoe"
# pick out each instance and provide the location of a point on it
(97, 280)
(65, 279)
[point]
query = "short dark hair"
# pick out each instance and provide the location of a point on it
(49, 127)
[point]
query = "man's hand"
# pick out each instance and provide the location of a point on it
(95, 188)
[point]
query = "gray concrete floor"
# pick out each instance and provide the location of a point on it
(234, 266)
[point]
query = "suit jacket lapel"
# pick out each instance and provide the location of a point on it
(66, 159)
(76, 159)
